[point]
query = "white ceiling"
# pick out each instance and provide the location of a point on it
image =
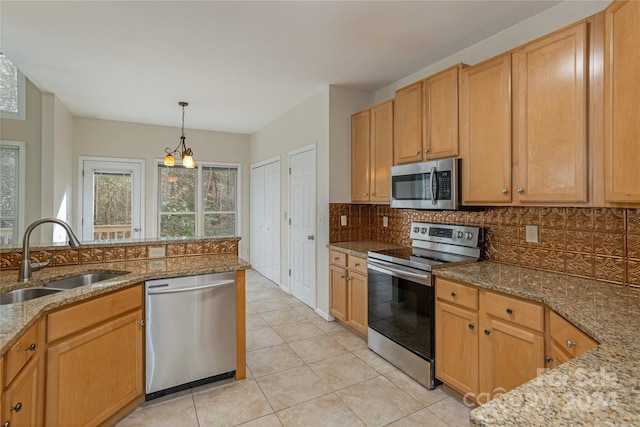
(239, 64)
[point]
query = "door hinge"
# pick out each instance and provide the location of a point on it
(289, 171)
(289, 221)
(83, 173)
(289, 272)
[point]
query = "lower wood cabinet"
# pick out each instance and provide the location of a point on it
(348, 290)
(487, 343)
(564, 340)
(93, 372)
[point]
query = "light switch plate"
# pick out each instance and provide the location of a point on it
(531, 234)
(343, 220)
(157, 252)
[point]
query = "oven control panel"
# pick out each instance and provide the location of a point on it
(443, 233)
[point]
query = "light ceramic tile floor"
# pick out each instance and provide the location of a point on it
(303, 371)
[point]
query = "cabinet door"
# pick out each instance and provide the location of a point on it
(550, 117)
(622, 92)
(558, 356)
(338, 292)
(440, 114)
(381, 151)
(457, 347)
(23, 399)
(360, 157)
(407, 146)
(358, 302)
(92, 375)
(509, 356)
(485, 137)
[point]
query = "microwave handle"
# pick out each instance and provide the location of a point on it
(433, 194)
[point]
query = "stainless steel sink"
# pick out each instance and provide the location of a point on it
(20, 295)
(82, 279)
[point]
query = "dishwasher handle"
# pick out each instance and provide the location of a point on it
(217, 284)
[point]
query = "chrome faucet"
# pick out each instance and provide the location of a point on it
(26, 267)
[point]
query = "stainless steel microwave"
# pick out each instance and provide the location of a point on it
(426, 185)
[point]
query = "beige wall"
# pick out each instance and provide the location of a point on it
(105, 138)
(29, 131)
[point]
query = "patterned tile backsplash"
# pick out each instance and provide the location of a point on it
(602, 243)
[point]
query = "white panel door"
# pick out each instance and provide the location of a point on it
(302, 248)
(272, 221)
(112, 196)
(257, 220)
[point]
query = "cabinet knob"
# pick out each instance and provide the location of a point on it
(336, 258)
(366, 194)
(520, 190)
(505, 191)
(487, 332)
(548, 359)
(16, 408)
(426, 150)
(357, 264)
(6, 423)
(571, 344)
(471, 326)
(349, 279)
(142, 322)
(453, 293)
(417, 151)
(509, 311)
(342, 277)
(373, 194)
(32, 347)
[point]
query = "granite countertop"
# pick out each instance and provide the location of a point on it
(600, 387)
(361, 248)
(15, 319)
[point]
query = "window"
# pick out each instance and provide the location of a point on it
(12, 90)
(198, 202)
(11, 192)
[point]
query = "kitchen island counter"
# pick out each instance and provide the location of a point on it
(15, 319)
(600, 387)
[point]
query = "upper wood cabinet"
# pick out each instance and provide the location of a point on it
(407, 146)
(426, 118)
(440, 114)
(372, 154)
(485, 132)
(550, 118)
(622, 92)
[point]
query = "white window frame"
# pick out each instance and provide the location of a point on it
(199, 204)
(22, 88)
(22, 152)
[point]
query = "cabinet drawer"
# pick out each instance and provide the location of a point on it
(338, 258)
(569, 338)
(520, 312)
(457, 293)
(74, 319)
(21, 352)
(358, 264)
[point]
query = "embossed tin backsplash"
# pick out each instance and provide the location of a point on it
(602, 244)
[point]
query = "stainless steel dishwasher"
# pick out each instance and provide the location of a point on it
(191, 332)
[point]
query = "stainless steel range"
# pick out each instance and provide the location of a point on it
(401, 300)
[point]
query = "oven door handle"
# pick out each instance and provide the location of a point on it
(423, 278)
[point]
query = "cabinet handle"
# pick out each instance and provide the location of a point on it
(342, 277)
(357, 264)
(509, 311)
(453, 293)
(142, 322)
(548, 359)
(417, 151)
(426, 150)
(520, 190)
(32, 347)
(16, 408)
(471, 326)
(571, 344)
(505, 191)
(6, 423)
(336, 258)
(487, 332)
(373, 194)
(349, 279)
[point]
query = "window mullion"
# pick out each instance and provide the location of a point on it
(199, 204)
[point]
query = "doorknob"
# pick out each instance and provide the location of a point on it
(310, 237)
(137, 229)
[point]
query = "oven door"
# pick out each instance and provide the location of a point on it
(401, 306)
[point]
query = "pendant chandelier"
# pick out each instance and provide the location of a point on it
(185, 153)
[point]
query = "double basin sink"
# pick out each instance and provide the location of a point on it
(55, 286)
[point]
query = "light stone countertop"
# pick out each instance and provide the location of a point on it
(15, 319)
(600, 387)
(361, 248)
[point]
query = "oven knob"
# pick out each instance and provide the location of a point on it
(423, 230)
(416, 229)
(459, 234)
(469, 236)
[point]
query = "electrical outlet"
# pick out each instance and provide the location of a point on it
(343, 220)
(531, 234)
(157, 252)
(385, 221)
